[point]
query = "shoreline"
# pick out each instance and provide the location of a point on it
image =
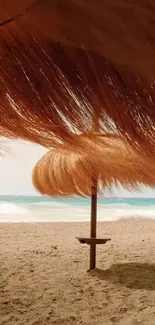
(13, 212)
(42, 221)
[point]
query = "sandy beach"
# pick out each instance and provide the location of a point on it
(44, 278)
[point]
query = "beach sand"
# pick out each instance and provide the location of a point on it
(44, 278)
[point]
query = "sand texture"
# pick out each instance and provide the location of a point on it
(44, 278)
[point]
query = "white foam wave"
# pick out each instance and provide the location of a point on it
(132, 213)
(9, 208)
(56, 212)
(49, 204)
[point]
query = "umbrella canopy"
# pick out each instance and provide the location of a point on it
(46, 88)
(65, 172)
(102, 25)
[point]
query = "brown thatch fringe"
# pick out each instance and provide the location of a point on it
(65, 172)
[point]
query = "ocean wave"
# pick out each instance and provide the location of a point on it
(132, 213)
(59, 212)
(48, 204)
(113, 205)
(10, 208)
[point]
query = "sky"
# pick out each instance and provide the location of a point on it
(17, 161)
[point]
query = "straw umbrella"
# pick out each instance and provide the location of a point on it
(102, 25)
(64, 172)
(45, 87)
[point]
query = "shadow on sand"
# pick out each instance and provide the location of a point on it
(131, 275)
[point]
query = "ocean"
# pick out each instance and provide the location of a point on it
(45, 209)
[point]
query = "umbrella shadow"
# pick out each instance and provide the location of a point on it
(131, 275)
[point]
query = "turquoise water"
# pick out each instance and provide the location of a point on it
(45, 209)
(76, 201)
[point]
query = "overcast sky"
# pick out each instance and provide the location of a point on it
(16, 167)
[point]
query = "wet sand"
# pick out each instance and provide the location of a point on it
(44, 278)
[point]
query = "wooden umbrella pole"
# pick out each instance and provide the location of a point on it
(95, 128)
(93, 223)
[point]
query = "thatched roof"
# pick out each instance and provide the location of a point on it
(108, 27)
(64, 172)
(45, 87)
